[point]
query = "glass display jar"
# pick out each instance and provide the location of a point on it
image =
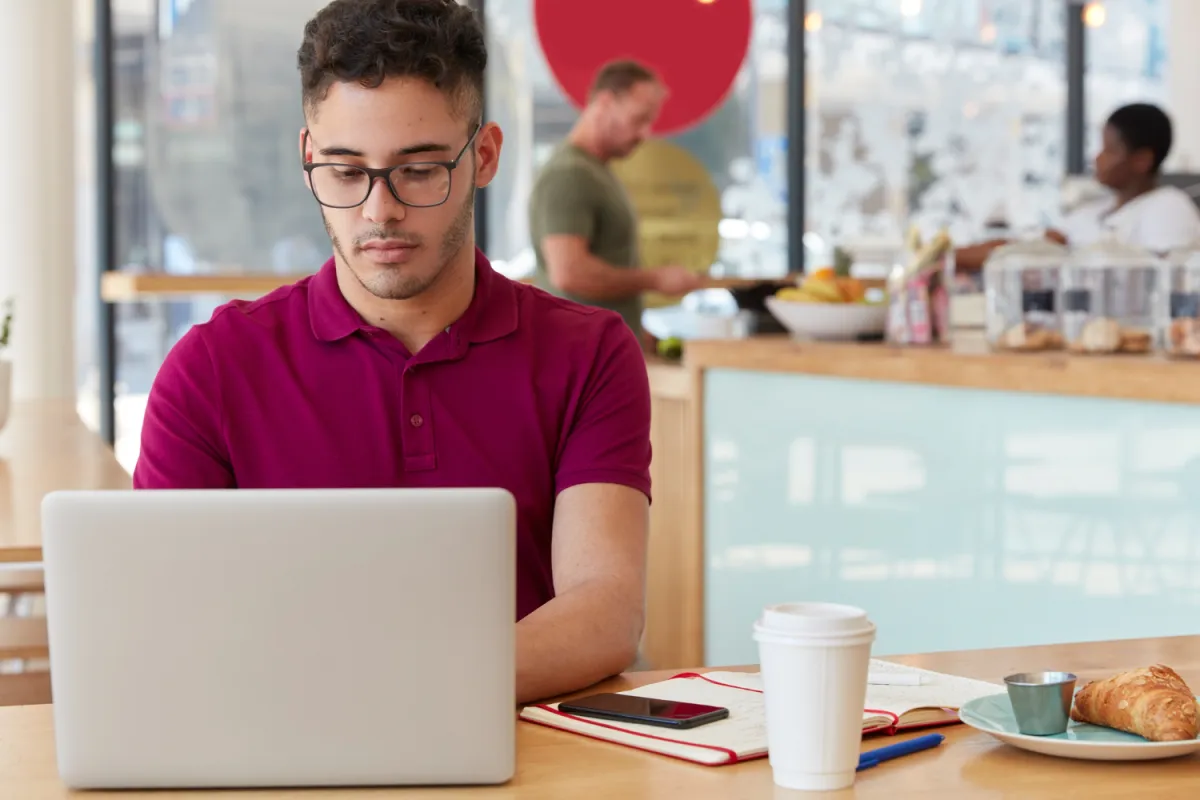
(1020, 286)
(1109, 295)
(1179, 310)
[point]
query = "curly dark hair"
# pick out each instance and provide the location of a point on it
(1144, 126)
(368, 41)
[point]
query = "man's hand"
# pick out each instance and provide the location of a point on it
(593, 626)
(674, 280)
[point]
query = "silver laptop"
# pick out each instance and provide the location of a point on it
(261, 638)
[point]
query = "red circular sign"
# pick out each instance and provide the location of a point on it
(696, 46)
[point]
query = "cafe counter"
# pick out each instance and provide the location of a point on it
(967, 499)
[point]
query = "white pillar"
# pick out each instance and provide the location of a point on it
(37, 194)
(1183, 83)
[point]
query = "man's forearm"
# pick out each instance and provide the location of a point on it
(590, 633)
(592, 278)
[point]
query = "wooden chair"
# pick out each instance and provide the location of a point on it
(22, 591)
(22, 580)
(25, 689)
(23, 637)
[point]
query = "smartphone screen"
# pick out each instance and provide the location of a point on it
(644, 710)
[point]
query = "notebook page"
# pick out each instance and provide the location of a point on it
(938, 691)
(753, 680)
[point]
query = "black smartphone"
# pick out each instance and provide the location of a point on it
(644, 710)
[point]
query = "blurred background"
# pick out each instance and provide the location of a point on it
(934, 112)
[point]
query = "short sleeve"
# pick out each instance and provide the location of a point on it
(1169, 224)
(608, 440)
(183, 442)
(563, 204)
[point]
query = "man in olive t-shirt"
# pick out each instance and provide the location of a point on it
(581, 221)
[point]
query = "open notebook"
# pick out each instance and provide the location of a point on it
(743, 735)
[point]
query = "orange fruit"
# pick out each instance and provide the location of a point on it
(852, 289)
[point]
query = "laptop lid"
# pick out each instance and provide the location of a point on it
(282, 637)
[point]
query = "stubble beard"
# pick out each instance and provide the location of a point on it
(396, 282)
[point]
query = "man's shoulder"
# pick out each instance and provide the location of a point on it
(566, 155)
(281, 308)
(567, 166)
(239, 329)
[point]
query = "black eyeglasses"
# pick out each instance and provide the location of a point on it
(420, 184)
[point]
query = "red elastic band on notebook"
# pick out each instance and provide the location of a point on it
(707, 679)
(885, 728)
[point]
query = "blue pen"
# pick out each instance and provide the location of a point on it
(873, 757)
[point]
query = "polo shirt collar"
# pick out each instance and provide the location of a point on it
(491, 315)
(331, 317)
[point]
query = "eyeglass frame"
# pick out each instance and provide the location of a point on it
(375, 173)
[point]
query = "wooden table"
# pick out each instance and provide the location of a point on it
(553, 764)
(43, 448)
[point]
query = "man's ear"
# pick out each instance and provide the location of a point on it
(305, 154)
(489, 142)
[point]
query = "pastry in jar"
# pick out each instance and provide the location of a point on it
(1135, 340)
(1099, 335)
(1183, 337)
(1028, 338)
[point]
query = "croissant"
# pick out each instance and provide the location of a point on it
(1152, 702)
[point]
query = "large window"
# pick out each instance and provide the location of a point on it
(207, 179)
(952, 113)
(934, 113)
(1126, 60)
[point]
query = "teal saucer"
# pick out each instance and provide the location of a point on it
(994, 715)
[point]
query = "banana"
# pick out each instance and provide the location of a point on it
(799, 296)
(825, 291)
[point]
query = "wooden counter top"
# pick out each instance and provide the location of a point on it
(553, 764)
(1147, 378)
(43, 448)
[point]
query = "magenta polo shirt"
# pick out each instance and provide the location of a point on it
(526, 391)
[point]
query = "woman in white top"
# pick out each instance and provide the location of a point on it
(1139, 212)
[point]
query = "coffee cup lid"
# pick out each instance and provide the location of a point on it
(820, 619)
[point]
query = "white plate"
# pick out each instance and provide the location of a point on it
(993, 715)
(830, 321)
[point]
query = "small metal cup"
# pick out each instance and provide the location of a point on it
(1041, 701)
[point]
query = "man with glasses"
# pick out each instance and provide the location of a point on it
(406, 361)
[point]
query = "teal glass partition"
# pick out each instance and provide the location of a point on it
(958, 519)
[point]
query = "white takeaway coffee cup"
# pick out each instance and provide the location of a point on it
(814, 659)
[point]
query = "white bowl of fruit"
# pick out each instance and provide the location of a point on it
(828, 306)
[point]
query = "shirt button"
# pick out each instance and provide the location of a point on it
(416, 420)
